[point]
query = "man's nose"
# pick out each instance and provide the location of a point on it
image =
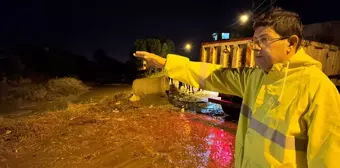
(257, 48)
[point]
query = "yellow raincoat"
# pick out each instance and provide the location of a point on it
(290, 116)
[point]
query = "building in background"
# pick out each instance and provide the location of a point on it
(326, 32)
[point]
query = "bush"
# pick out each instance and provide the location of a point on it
(26, 90)
(67, 86)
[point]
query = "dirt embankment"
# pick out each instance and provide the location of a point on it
(27, 90)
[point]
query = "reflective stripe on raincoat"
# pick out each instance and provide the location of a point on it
(290, 116)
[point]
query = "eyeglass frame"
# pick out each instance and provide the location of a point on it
(252, 42)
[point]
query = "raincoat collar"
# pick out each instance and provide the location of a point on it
(281, 70)
(299, 59)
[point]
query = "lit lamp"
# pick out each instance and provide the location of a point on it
(244, 18)
(144, 65)
(188, 47)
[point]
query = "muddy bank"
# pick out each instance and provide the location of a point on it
(96, 93)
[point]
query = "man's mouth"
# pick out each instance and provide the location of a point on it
(259, 56)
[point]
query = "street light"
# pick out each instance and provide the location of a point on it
(244, 18)
(187, 47)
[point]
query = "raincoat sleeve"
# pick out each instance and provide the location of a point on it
(323, 119)
(208, 76)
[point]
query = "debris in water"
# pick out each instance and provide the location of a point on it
(134, 98)
(119, 119)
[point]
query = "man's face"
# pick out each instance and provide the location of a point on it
(273, 49)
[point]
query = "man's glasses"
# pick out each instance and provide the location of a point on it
(263, 42)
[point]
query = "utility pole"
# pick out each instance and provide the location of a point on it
(253, 5)
(262, 5)
(271, 2)
(252, 9)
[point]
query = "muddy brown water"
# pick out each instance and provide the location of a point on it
(126, 135)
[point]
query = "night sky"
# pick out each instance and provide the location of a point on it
(84, 26)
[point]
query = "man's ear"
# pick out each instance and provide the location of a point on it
(293, 42)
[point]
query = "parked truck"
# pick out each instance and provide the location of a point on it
(236, 53)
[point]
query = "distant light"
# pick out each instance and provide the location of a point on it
(187, 47)
(244, 18)
(215, 36)
(144, 65)
(225, 36)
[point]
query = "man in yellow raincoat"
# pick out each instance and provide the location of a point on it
(291, 110)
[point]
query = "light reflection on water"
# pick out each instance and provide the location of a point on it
(212, 108)
(212, 139)
(219, 145)
(217, 149)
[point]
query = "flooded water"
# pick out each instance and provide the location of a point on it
(118, 133)
(218, 143)
(147, 137)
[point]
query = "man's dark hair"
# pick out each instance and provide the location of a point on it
(285, 23)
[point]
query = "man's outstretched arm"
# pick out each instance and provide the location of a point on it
(208, 76)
